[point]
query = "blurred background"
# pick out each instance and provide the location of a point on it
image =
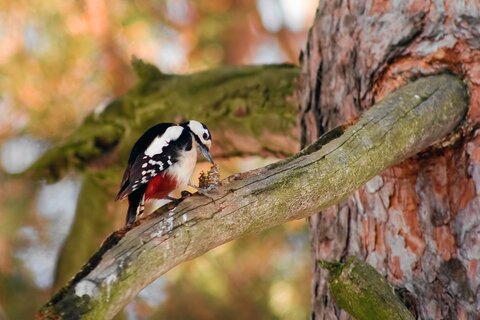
(59, 60)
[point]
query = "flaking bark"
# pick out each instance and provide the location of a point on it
(403, 124)
(417, 222)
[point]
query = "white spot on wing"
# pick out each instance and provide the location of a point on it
(158, 163)
(172, 133)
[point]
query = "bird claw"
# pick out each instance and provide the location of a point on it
(185, 194)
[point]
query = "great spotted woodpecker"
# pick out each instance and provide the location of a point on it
(162, 160)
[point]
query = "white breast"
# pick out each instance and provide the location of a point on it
(183, 169)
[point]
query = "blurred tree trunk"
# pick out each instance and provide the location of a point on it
(417, 222)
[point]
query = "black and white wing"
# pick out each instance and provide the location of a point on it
(158, 149)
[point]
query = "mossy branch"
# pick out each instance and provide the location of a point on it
(363, 292)
(404, 123)
(249, 109)
(100, 146)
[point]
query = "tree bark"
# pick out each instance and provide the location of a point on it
(326, 172)
(417, 222)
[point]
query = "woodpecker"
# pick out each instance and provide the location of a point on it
(162, 160)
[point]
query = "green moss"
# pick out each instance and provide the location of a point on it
(364, 293)
(145, 71)
(125, 278)
(246, 100)
(335, 268)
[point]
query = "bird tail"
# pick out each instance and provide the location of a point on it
(136, 206)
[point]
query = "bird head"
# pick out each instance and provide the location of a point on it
(202, 137)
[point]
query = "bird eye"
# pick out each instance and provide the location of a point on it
(205, 136)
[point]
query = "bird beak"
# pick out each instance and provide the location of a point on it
(206, 153)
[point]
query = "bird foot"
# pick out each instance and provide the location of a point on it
(185, 194)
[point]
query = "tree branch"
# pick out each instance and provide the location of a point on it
(238, 104)
(363, 292)
(404, 123)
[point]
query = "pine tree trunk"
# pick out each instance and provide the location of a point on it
(418, 223)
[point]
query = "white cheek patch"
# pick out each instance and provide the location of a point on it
(162, 141)
(196, 127)
(199, 130)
